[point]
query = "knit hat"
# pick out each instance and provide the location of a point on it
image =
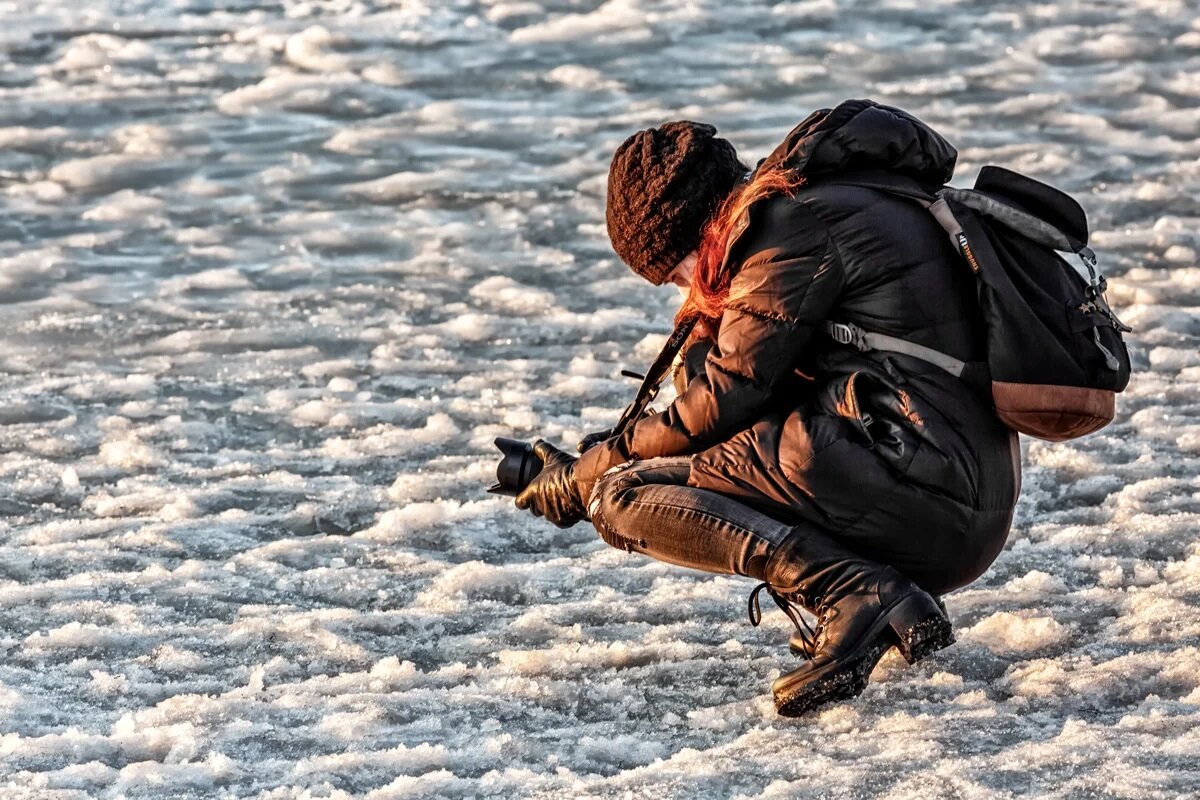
(663, 185)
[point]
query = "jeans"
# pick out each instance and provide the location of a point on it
(647, 507)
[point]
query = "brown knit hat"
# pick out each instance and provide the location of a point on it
(663, 185)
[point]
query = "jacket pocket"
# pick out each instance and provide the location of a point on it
(878, 414)
(934, 470)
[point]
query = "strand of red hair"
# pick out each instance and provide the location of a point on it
(709, 293)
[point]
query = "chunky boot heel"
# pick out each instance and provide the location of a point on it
(920, 627)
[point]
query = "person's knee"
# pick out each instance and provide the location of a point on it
(609, 505)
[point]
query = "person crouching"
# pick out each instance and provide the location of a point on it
(859, 486)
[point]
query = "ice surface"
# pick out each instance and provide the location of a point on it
(272, 278)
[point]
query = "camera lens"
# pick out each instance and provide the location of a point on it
(518, 466)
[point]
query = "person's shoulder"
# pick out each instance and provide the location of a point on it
(790, 217)
(818, 203)
(823, 196)
(781, 227)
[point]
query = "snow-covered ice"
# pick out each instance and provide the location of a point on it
(272, 278)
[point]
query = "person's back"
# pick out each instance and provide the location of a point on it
(905, 278)
(902, 277)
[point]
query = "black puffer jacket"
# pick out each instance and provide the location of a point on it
(876, 445)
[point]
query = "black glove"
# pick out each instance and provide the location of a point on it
(593, 439)
(553, 494)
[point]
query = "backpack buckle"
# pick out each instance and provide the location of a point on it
(846, 333)
(1088, 257)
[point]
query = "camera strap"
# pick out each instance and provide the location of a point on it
(654, 376)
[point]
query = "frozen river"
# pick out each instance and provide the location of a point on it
(274, 275)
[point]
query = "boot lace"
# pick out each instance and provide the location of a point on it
(808, 634)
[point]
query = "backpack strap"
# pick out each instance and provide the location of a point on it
(863, 340)
(851, 334)
(931, 199)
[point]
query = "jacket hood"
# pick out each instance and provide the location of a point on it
(864, 135)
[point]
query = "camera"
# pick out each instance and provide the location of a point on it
(519, 465)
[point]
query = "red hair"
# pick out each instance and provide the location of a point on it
(709, 292)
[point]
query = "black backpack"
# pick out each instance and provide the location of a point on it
(1055, 355)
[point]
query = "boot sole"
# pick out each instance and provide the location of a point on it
(913, 624)
(844, 683)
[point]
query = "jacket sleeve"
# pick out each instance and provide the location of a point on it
(779, 298)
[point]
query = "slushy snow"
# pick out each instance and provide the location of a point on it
(274, 276)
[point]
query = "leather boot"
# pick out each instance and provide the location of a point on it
(801, 640)
(863, 608)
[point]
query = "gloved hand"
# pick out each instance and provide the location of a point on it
(554, 493)
(593, 439)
